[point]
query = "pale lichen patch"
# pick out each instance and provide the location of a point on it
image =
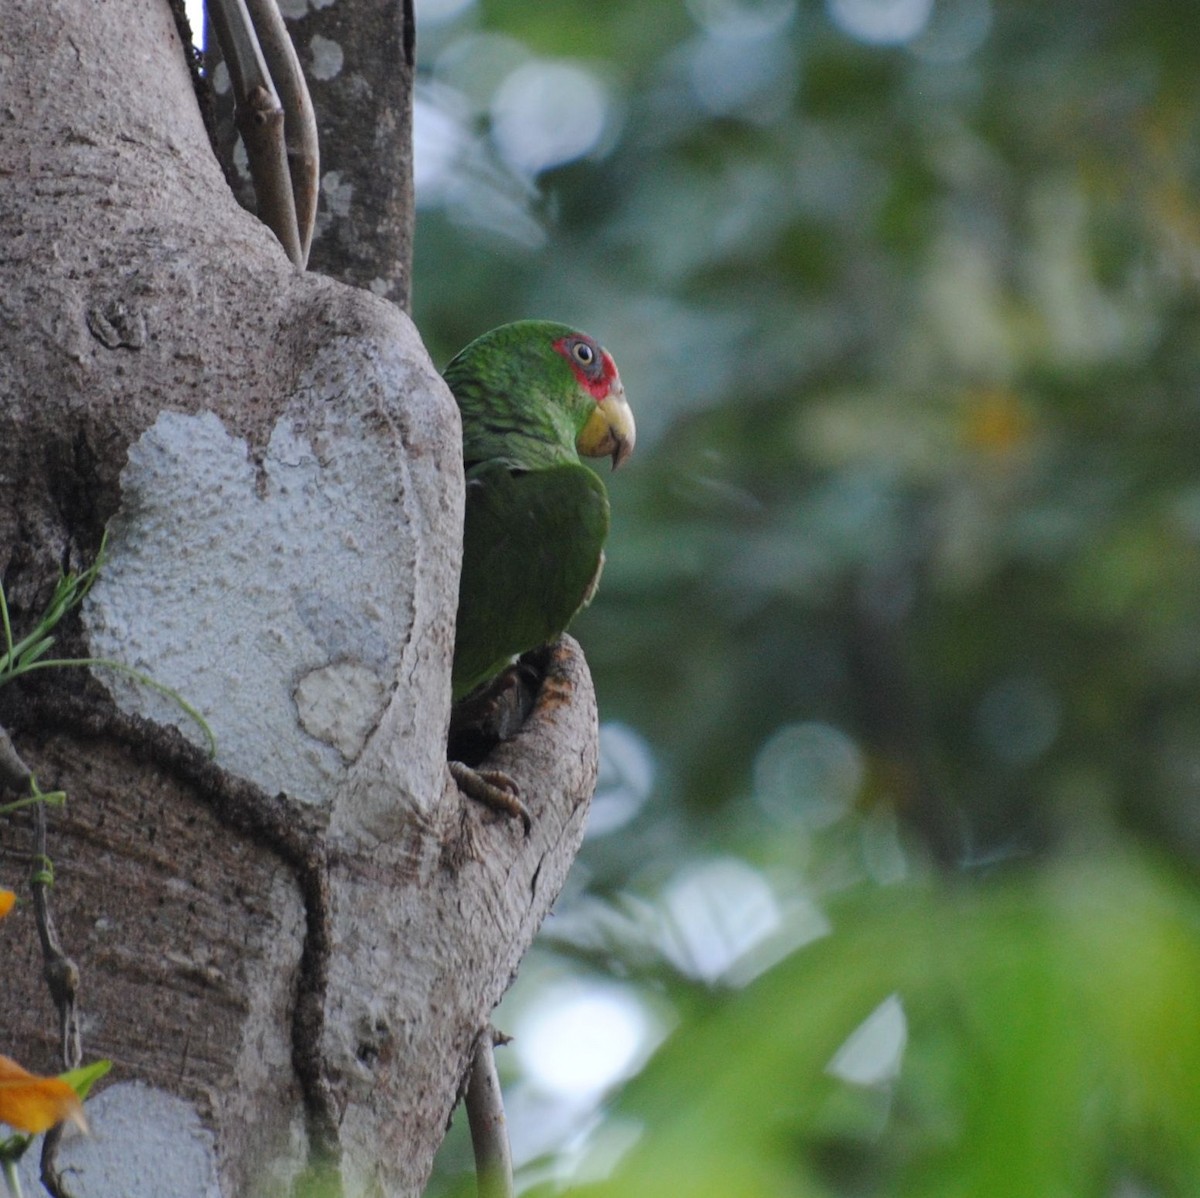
(337, 194)
(137, 1131)
(340, 704)
(326, 57)
(250, 586)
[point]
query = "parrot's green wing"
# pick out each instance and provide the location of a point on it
(532, 546)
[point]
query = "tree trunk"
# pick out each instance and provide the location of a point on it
(289, 949)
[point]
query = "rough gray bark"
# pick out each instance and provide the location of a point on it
(293, 947)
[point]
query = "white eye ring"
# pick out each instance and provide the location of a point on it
(584, 354)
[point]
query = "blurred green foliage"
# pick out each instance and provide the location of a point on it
(910, 329)
(1052, 1049)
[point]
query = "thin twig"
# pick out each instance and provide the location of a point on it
(14, 773)
(260, 121)
(489, 1128)
(299, 123)
(62, 977)
(61, 973)
(52, 1178)
(12, 1178)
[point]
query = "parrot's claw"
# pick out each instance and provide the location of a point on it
(493, 789)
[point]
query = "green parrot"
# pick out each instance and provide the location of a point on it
(534, 395)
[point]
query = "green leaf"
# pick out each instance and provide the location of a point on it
(1051, 1040)
(82, 1080)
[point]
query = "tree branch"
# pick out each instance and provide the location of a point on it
(489, 1127)
(300, 122)
(260, 121)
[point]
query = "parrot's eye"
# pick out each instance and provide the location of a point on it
(583, 353)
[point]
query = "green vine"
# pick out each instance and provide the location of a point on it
(52, 798)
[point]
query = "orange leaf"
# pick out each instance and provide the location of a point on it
(32, 1104)
(7, 898)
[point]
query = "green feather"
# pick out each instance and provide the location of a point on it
(520, 401)
(536, 517)
(532, 547)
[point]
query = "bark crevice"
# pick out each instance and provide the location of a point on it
(292, 831)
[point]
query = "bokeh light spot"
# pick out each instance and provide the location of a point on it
(872, 1053)
(437, 11)
(881, 22)
(750, 76)
(743, 18)
(1018, 720)
(625, 781)
(548, 113)
(439, 140)
(578, 1040)
(475, 64)
(808, 773)
(956, 29)
(717, 912)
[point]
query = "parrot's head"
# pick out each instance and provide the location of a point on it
(535, 391)
(607, 428)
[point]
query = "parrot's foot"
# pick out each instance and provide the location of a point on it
(493, 789)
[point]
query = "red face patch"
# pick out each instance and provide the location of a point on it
(592, 365)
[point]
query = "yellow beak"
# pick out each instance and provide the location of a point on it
(610, 430)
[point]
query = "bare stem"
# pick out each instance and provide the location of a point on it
(300, 122)
(61, 973)
(14, 773)
(489, 1128)
(12, 1179)
(260, 121)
